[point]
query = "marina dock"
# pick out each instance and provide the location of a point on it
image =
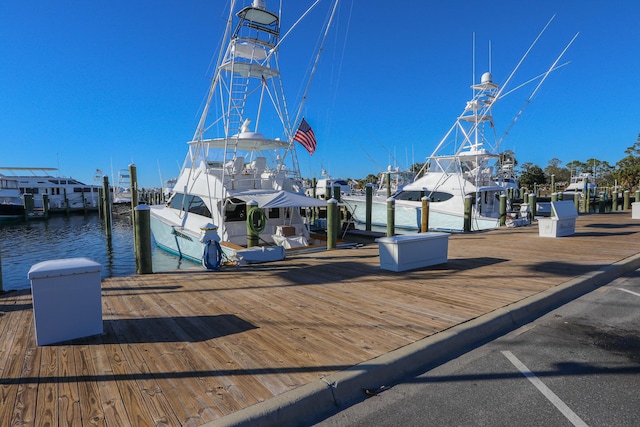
(195, 348)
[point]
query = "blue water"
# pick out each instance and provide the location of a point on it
(25, 244)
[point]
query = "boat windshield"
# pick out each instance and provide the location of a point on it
(189, 203)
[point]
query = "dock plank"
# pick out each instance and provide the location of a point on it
(14, 351)
(187, 347)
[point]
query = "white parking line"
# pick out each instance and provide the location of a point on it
(628, 291)
(551, 396)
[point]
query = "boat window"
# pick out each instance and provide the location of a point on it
(29, 190)
(235, 211)
(439, 196)
(176, 201)
(196, 206)
(189, 203)
(413, 196)
(273, 213)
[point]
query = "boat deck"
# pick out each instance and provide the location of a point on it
(187, 347)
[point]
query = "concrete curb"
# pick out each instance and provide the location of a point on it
(346, 387)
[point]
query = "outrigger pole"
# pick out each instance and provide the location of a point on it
(544, 76)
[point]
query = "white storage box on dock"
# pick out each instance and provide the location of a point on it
(67, 299)
(411, 251)
(561, 223)
(635, 210)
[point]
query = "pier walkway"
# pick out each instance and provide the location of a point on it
(274, 343)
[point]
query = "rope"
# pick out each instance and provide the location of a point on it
(257, 221)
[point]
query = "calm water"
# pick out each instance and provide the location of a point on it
(23, 245)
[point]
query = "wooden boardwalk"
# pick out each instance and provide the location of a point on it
(185, 348)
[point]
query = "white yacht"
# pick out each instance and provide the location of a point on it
(239, 165)
(63, 193)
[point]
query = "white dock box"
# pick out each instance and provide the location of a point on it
(411, 251)
(635, 210)
(562, 221)
(67, 299)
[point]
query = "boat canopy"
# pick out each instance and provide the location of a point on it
(247, 141)
(280, 199)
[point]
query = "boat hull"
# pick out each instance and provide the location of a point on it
(408, 216)
(199, 247)
(176, 240)
(11, 212)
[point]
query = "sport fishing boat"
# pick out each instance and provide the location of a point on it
(463, 165)
(122, 190)
(210, 212)
(447, 178)
(581, 184)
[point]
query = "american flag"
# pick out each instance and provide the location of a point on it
(305, 136)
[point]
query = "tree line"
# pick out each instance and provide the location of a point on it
(625, 174)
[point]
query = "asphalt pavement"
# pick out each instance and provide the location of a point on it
(577, 365)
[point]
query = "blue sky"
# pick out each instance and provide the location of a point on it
(102, 84)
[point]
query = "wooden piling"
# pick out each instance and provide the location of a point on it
(314, 192)
(503, 210)
(626, 201)
(468, 205)
(368, 192)
(28, 205)
(142, 230)
(533, 200)
(45, 205)
(576, 201)
(133, 176)
(337, 195)
(391, 216)
(67, 208)
(332, 214)
(425, 214)
(106, 205)
(587, 196)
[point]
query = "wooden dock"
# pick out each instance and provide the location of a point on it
(188, 347)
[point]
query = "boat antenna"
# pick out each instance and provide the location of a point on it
(295, 24)
(553, 67)
(534, 79)
(201, 124)
(315, 63)
(473, 61)
(506, 83)
(313, 69)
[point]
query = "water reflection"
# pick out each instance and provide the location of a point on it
(24, 244)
